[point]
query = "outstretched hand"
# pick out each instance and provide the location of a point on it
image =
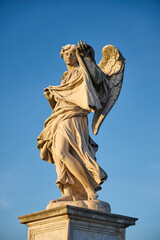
(84, 50)
(48, 93)
(47, 89)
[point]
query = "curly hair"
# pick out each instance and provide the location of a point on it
(67, 47)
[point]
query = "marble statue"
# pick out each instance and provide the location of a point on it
(65, 141)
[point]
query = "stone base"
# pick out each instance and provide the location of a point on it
(87, 204)
(75, 223)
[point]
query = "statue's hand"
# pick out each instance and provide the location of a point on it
(50, 96)
(84, 50)
(48, 93)
(47, 89)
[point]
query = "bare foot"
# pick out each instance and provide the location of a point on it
(64, 198)
(92, 196)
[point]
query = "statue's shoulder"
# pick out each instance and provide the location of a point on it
(73, 74)
(64, 75)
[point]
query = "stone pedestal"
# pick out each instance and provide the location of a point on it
(76, 223)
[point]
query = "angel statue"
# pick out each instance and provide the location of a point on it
(65, 141)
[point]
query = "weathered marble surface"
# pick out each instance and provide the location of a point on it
(74, 223)
(88, 204)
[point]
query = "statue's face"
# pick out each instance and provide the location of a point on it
(69, 57)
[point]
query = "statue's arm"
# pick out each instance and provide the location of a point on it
(87, 54)
(93, 70)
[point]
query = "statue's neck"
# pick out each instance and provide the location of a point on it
(71, 68)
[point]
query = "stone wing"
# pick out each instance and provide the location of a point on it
(112, 64)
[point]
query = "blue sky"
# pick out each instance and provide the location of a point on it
(32, 34)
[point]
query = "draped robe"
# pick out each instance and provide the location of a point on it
(75, 98)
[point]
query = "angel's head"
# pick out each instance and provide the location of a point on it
(68, 53)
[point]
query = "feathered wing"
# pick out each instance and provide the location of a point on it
(112, 64)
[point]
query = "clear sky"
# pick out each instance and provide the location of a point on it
(32, 34)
